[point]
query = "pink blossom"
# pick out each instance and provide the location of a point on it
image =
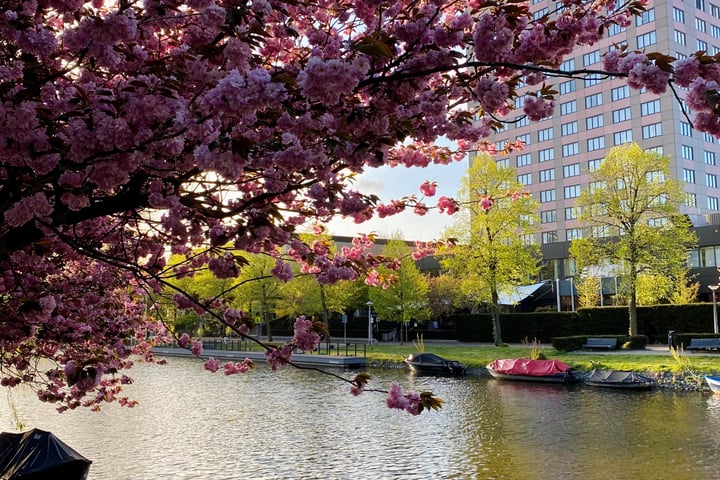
(282, 270)
(409, 401)
(278, 356)
(537, 108)
(305, 337)
(197, 348)
(448, 205)
(428, 188)
(184, 340)
(486, 203)
(686, 71)
(212, 364)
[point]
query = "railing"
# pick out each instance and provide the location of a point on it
(347, 349)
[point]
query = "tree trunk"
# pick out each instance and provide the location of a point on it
(632, 304)
(495, 310)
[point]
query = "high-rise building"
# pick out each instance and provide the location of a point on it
(596, 113)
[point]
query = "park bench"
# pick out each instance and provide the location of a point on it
(600, 343)
(704, 344)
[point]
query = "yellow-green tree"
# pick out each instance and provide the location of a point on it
(494, 230)
(588, 290)
(630, 211)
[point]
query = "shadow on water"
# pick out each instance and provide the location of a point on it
(299, 425)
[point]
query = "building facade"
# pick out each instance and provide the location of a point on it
(595, 113)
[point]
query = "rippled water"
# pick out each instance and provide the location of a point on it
(300, 425)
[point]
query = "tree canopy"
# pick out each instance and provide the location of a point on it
(130, 129)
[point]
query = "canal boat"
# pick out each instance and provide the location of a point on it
(37, 454)
(431, 364)
(618, 379)
(713, 383)
(529, 370)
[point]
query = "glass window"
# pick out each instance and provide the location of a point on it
(545, 134)
(593, 165)
(648, 108)
(540, 13)
(522, 160)
(619, 93)
(702, 46)
(569, 128)
(690, 199)
(712, 203)
(596, 121)
(591, 80)
(524, 138)
(646, 17)
(653, 130)
(700, 5)
(573, 234)
(593, 100)
(714, 11)
(521, 121)
(678, 15)
(591, 58)
(525, 179)
(614, 29)
(567, 87)
(568, 64)
(570, 213)
(547, 216)
(571, 191)
(503, 163)
(549, 237)
(547, 175)
(711, 180)
(622, 137)
(568, 107)
(688, 175)
(686, 152)
(546, 154)
(679, 37)
(621, 115)
(646, 39)
(715, 31)
(570, 149)
(685, 129)
(700, 25)
(709, 158)
(547, 196)
(572, 170)
(595, 143)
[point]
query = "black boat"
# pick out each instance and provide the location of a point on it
(617, 379)
(39, 455)
(431, 364)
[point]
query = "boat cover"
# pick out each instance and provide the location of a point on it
(615, 376)
(39, 455)
(531, 368)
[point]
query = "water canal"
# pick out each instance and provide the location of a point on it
(298, 425)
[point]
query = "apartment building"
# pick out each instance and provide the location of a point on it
(594, 114)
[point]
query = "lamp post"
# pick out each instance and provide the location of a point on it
(715, 313)
(370, 338)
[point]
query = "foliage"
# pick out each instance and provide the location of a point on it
(588, 290)
(631, 211)
(492, 253)
(207, 127)
(535, 349)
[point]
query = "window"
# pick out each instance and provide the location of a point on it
(547, 196)
(686, 152)
(622, 137)
(646, 17)
(547, 216)
(596, 121)
(709, 158)
(715, 31)
(621, 115)
(573, 234)
(600, 231)
(547, 175)
(521, 121)
(597, 186)
(568, 107)
(700, 5)
(648, 108)
(700, 25)
(572, 170)
(593, 100)
(570, 149)
(527, 239)
(591, 80)
(701, 46)
(591, 58)
(646, 39)
(685, 129)
(711, 180)
(595, 143)
(567, 87)
(568, 64)
(549, 237)
(678, 15)
(712, 203)
(503, 163)
(655, 176)
(708, 138)
(688, 175)
(614, 29)
(690, 199)
(540, 13)
(546, 154)
(571, 191)
(619, 93)
(524, 138)
(570, 213)
(679, 37)
(525, 179)
(522, 160)
(657, 222)
(652, 130)
(593, 165)
(714, 11)
(545, 134)
(569, 128)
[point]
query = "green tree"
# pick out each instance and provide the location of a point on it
(406, 298)
(631, 214)
(588, 290)
(495, 249)
(444, 298)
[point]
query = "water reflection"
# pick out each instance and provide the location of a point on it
(298, 425)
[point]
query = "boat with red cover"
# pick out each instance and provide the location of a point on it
(526, 369)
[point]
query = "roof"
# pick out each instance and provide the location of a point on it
(517, 294)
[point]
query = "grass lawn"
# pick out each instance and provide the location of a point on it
(479, 356)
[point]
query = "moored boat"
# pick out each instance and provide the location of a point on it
(431, 364)
(713, 383)
(526, 369)
(617, 379)
(37, 454)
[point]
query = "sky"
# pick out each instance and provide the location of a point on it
(394, 183)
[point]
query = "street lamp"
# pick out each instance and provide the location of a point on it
(370, 338)
(715, 313)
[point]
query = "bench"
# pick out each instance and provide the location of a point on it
(604, 343)
(704, 344)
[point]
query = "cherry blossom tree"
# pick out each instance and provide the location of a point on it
(130, 130)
